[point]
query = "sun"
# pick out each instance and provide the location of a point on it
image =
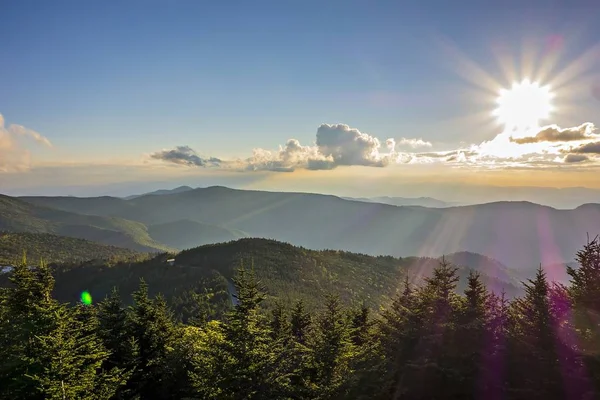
(524, 105)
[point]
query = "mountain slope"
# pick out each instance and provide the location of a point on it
(55, 249)
(20, 216)
(289, 272)
(519, 234)
(184, 234)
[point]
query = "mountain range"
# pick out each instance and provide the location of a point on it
(519, 234)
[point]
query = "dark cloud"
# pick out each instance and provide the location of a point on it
(588, 148)
(575, 158)
(553, 133)
(185, 155)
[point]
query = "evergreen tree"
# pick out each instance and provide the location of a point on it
(250, 370)
(471, 335)
(433, 369)
(152, 328)
(399, 330)
(584, 292)
(333, 351)
(69, 359)
(534, 365)
(280, 326)
(24, 319)
(113, 330)
(300, 322)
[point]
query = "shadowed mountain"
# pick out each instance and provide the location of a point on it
(20, 216)
(184, 234)
(518, 234)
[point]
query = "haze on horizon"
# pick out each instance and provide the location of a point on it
(353, 99)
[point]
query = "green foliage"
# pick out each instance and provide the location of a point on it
(58, 249)
(428, 342)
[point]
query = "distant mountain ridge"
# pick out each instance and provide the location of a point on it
(161, 192)
(519, 234)
(405, 201)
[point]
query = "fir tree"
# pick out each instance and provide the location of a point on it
(584, 291)
(70, 357)
(300, 322)
(251, 369)
(152, 328)
(333, 350)
(471, 335)
(534, 365)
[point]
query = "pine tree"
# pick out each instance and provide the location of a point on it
(113, 331)
(584, 292)
(70, 357)
(250, 370)
(493, 365)
(333, 350)
(534, 366)
(399, 331)
(24, 318)
(280, 326)
(470, 340)
(360, 325)
(300, 322)
(433, 370)
(152, 328)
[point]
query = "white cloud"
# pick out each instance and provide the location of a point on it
(335, 145)
(414, 143)
(13, 156)
(341, 145)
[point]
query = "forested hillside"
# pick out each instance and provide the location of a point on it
(56, 249)
(431, 341)
(290, 272)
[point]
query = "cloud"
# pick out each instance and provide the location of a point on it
(338, 145)
(185, 155)
(414, 143)
(22, 131)
(588, 148)
(553, 133)
(349, 146)
(575, 158)
(335, 145)
(13, 155)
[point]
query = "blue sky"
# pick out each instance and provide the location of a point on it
(117, 80)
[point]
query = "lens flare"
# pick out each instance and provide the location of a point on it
(86, 298)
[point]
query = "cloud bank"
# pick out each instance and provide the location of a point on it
(14, 156)
(335, 145)
(338, 145)
(553, 133)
